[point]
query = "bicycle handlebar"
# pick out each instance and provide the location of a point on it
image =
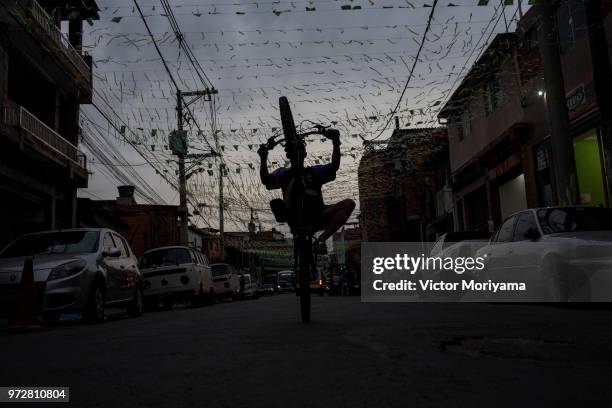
(320, 130)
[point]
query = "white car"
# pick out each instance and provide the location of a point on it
(248, 287)
(560, 253)
(226, 281)
(453, 245)
(174, 274)
(461, 243)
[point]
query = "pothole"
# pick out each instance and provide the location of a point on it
(522, 348)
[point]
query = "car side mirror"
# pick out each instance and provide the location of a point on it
(112, 253)
(532, 234)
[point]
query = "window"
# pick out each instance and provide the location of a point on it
(525, 221)
(194, 257)
(121, 246)
(531, 39)
(465, 128)
(505, 231)
(108, 243)
(571, 19)
(220, 269)
(127, 247)
(492, 95)
(68, 242)
(557, 220)
(165, 257)
(204, 259)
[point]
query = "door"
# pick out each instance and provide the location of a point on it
(114, 273)
(590, 169)
(128, 268)
(207, 283)
(526, 251)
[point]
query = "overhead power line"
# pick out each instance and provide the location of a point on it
(416, 60)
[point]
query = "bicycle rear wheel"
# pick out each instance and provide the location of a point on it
(287, 120)
(304, 277)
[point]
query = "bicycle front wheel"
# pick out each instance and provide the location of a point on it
(287, 120)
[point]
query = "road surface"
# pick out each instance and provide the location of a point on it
(353, 354)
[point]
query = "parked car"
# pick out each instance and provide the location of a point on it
(560, 253)
(284, 281)
(266, 289)
(453, 245)
(460, 243)
(75, 270)
(272, 279)
(333, 286)
(226, 281)
(248, 287)
(176, 274)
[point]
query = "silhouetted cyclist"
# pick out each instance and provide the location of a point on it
(326, 218)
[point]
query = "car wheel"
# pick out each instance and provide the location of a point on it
(96, 303)
(137, 304)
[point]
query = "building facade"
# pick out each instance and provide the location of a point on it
(500, 149)
(44, 77)
(399, 180)
(144, 226)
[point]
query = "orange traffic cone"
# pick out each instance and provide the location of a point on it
(26, 318)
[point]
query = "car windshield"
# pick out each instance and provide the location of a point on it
(285, 277)
(219, 269)
(555, 220)
(453, 237)
(64, 242)
(165, 257)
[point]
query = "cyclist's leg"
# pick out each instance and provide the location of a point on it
(334, 216)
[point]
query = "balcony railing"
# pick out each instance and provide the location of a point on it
(47, 24)
(20, 117)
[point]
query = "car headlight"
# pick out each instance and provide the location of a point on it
(67, 269)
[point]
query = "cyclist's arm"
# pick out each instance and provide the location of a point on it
(335, 160)
(263, 170)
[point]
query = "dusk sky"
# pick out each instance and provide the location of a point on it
(340, 63)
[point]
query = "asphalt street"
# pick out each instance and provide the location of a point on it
(258, 354)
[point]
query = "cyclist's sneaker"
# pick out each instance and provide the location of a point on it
(319, 248)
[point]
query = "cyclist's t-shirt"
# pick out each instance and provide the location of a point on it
(314, 177)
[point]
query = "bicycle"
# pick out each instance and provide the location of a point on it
(302, 222)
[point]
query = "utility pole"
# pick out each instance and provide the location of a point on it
(564, 166)
(602, 79)
(179, 146)
(221, 220)
(183, 209)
